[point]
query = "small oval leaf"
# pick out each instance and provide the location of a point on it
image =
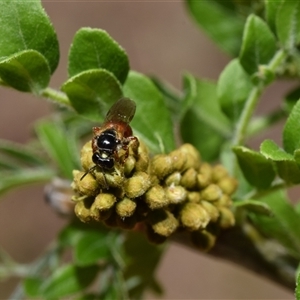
(259, 44)
(95, 49)
(152, 121)
(26, 71)
(93, 92)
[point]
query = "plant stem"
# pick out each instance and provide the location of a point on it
(56, 97)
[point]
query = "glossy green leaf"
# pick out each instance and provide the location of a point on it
(92, 247)
(20, 153)
(24, 25)
(26, 71)
(93, 92)
(291, 99)
(68, 280)
(284, 225)
(220, 22)
(55, 141)
(257, 169)
(204, 125)
(286, 166)
(272, 7)
(288, 24)
(258, 46)
(70, 235)
(152, 121)
(95, 49)
(234, 86)
(18, 178)
(291, 140)
(32, 286)
(254, 206)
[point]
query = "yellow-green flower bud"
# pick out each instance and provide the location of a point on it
(189, 179)
(87, 186)
(193, 159)
(178, 160)
(104, 201)
(204, 177)
(226, 218)
(228, 185)
(162, 166)
(175, 194)
(125, 208)
(211, 193)
(82, 212)
(211, 209)
(153, 237)
(203, 239)
(156, 197)
(218, 172)
(193, 216)
(86, 156)
(173, 179)
(194, 197)
(142, 162)
(129, 165)
(163, 222)
(99, 215)
(137, 185)
(224, 201)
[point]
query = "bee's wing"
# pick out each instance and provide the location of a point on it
(122, 110)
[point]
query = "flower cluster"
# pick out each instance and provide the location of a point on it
(163, 194)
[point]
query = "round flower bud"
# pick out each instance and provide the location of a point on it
(129, 165)
(189, 178)
(178, 160)
(85, 186)
(142, 162)
(162, 166)
(99, 215)
(226, 218)
(194, 197)
(153, 237)
(192, 156)
(224, 201)
(104, 201)
(125, 208)
(205, 171)
(211, 193)
(218, 172)
(156, 198)
(86, 156)
(228, 185)
(137, 185)
(163, 222)
(193, 216)
(173, 179)
(175, 194)
(82, 212)
(211, 210)
(203, 239)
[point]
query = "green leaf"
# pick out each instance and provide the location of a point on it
(93, 92)
(92, 247)
(272, 7)
(221, 23)
(20, 153)
(234, 86)
(204, 125)
(24, 25)
(68, 280)
(254, 206)
(257, 169)
(286, 166)
(32, 286)
(54, 138)
(95, 49)
(284, 226)
(152, 121)
(291, 99)
(291, 140)
(297, 289)
(15, 179)
(259, 44)
(26, 71)
(288, 24)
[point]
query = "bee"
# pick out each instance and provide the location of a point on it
(111, 141)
